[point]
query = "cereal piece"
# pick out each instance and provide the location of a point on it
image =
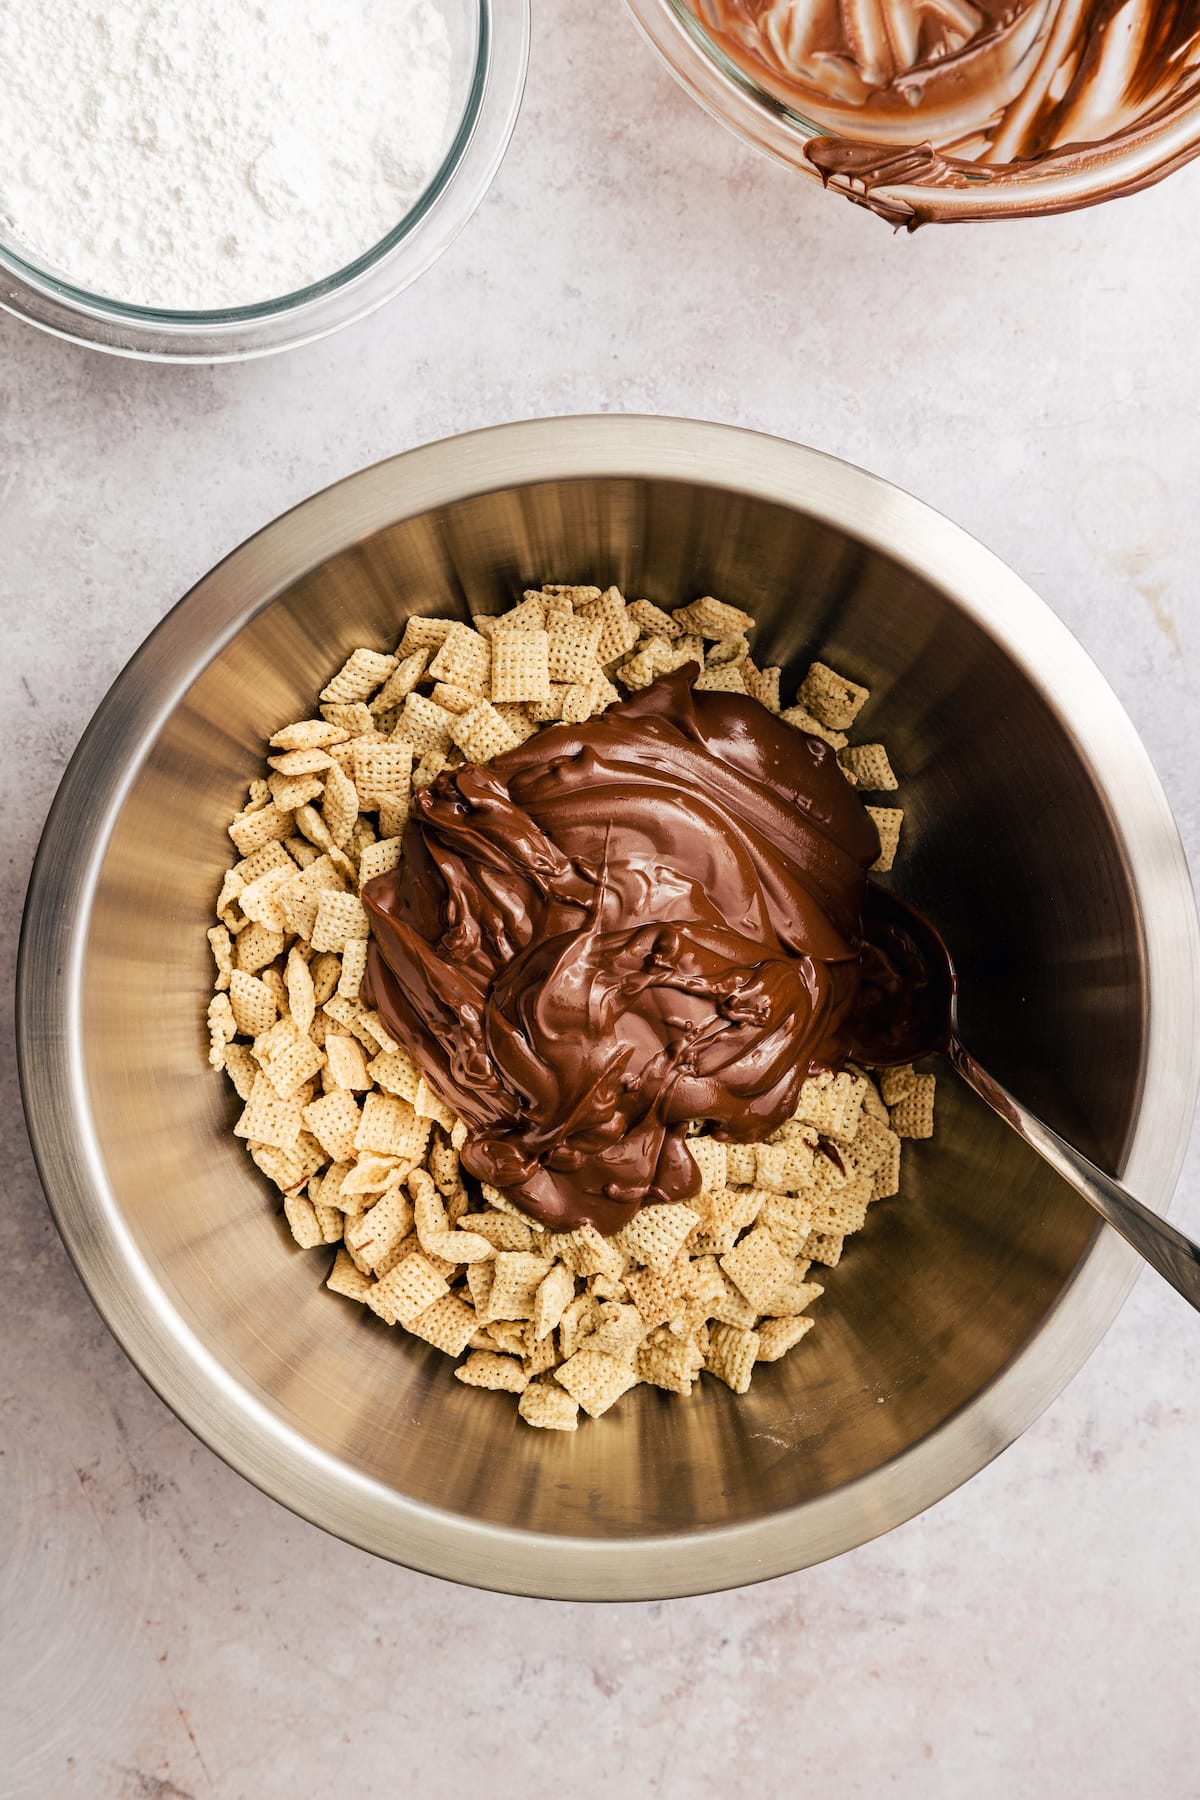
(221, 945)
(800, 719)
(372, 1172)
(427, 1105)
(346, 1063)
(396, 1073)
(377, 859)
(655, 1235)
(588, 1252)
(302, 1219)
(266, 1119)
(618, 634)
(741, 1162)
(797, 1295)
(845, 1212)
(222, 1029)
(530, 615)
(381, 767)
(555, 1292)
(712, 618)
(333, 1121)
(763, 684)
(588, 701)
(595, 1379)
(484, 1369)
(658, 1297)
(292, 1060)
(732, 1353)
(777, 1336)
(354, 963)
(895, 1083)
(351, 719)
(389, 1127)
(732, 649)
(256, 947)
(325, 970)
(424, 725)
(712, 1160)
(549, 1407)
(358, 677)
(519, 1274)
(725, 679)
(618, 1331)
(260, 902)
(831, 697)
(464, 659)
(757, 1267)
(832, 1103)
(912, 1115)
(508, 1335)
(824, 1248)
(572, 650)
(345, 1278)
(340, 917)
(887, 821)
(429, 768)
(339, 809)
(298, 980)
(504, 1231)
(652, 621)
(578, 1320)
(669, 1362)
(330, 1218)
(789, 1219)
(300, 762)
(373, 1023)
(251, 830)
(424, 634)
(869, 765)
(481, 1279)
(730, 1212)
(401, 682)
(449, 1325)
(652, 658)
(411, 1287)
(885, 1181)
(483, 733)
(308, 734)
(377, 1231)
(521, 666)
(241, 1069)
(253, 1004)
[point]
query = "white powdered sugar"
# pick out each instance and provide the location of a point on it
(198, 154)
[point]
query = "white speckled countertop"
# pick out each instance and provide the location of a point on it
(172, 1633)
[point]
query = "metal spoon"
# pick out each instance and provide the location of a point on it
(910, 1009)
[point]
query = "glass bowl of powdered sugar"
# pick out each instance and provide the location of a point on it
(205, 180)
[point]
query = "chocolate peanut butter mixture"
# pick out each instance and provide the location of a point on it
(617, 928)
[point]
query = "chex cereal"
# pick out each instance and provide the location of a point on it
(365, 1157)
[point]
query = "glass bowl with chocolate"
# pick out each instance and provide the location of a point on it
(981, 109)
(440, 1018)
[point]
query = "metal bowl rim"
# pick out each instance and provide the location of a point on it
(181, 1369)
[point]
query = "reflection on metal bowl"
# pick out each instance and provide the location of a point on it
(1036, 835)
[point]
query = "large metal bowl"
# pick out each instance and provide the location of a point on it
(1036, 834)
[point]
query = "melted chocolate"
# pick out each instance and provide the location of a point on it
(933, 94)
(617, 928)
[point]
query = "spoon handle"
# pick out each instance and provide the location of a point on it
(1174, 1255)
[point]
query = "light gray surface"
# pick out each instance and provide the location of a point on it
(177, 1634)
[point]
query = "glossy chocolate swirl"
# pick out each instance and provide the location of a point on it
(619, 927)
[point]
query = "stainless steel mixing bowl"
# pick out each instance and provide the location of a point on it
(1036, 834)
